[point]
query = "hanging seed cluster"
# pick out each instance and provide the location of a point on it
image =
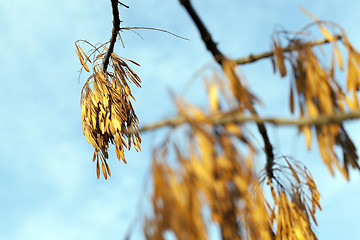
(317, 92)
(211, 172)
(294, 200)
(106, 110)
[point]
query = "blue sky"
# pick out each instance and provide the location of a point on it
(48, 183)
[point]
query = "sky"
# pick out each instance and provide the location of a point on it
(48, 182)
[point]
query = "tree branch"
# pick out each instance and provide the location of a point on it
(223, 119)
(114, 33)
(253, 58)
(205, 35)
(219, 57)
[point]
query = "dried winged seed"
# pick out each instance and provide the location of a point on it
(311, 82)
(355, 101)
(118, 115)
(316, 201)
(326, 33)
(102, 127)
(138, 136)
(118, 140)
(83, 127)
(120, 73)
(136, 143)
(97, 94)
(286, 208)
(131, 61)
(87, 58)
(85, 66)
(351, 74)
(120, 154)
(100, 55)
(83, 108)
(100, 77)
(97, 168)
(291, 100)
(93, 121)
(127, 90)
(95, 145)
(80, 56)
(117, 124)
(276, 200)
(99, 139)
(123, 141)
(280, 59)
(83, 62)
(129, 143)
(107, 168)
(92, 98)
(131, 72)
(133, 77)
(105, 152)
(233, 128)
(132, 96)
(338, 56)
(94, 156)
(331, 73)
(312, 109)
(137, 147)
(293, 172)
(309, 14)
(105, 101)
(193, 112)
(326, 103)
(313, 217)
(86, 120)
(213, 94)
(103, 169)
(353, 104)
(115, 57)
(97, 86)
(273, 64)
(111, 127)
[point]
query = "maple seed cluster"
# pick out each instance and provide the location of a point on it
(106, 110)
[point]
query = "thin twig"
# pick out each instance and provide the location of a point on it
(114, 33)
(126, 6)
(253, 58)
(223, 119)
(155, 29)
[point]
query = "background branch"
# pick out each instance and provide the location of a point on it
(236, 117)
(253, 58)
(205, 35)
(220, 57)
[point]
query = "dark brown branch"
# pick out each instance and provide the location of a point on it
(253, 58)
(126, 6)
(223, 119)
(219, 57)
(205, 35)
(114, 33)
